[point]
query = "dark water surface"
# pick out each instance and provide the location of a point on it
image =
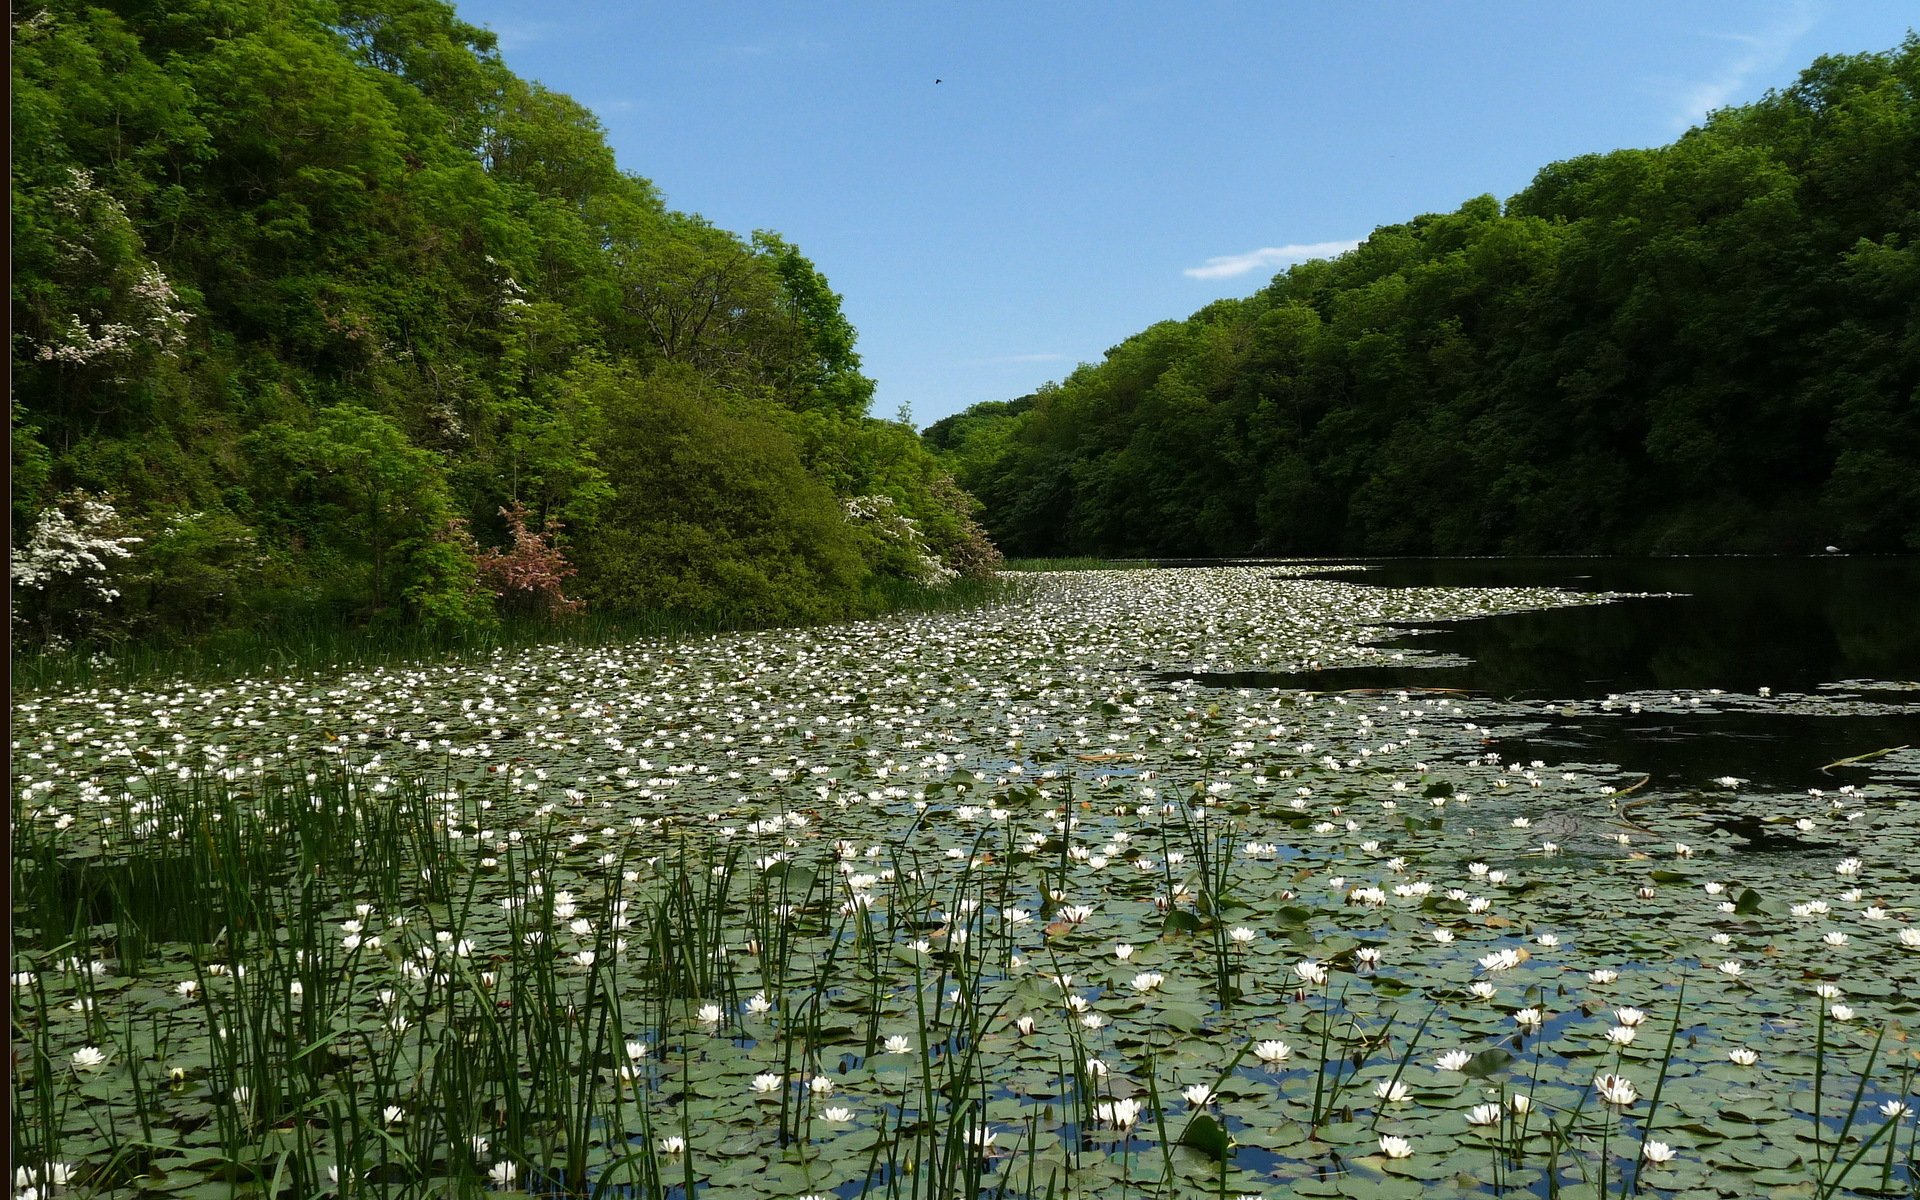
(1835, 639)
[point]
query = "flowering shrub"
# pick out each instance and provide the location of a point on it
(146, 315)
(967, 549)
(902, 547)
(64, 574)
(528, 576)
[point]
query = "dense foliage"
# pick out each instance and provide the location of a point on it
(1709, 346)
(310, 297)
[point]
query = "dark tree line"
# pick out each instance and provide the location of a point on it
(1709, 346)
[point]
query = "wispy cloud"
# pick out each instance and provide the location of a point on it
(1266, 258)
(1011, 359)
(513, 35)
(800, 45)
(1758, 52)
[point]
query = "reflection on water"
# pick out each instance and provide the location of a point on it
(1789, 624)
(1796, 627)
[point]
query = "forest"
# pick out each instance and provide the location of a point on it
(1708, 347)
(321, 314)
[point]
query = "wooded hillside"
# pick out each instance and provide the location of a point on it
(308, 296)
(1709, 346)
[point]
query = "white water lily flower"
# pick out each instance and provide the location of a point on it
(837, 1115)
(1743, 1056)
(1309, 971)
(673, 1144)
(1272, 1052)
(1603, 975)
(1657, 1153)
(503, 1174)
(1629, 1016)
(1395, 1147)
(1840, 1012)
(1617, 1090)
(1484, 1114)
(1147, 981)
(1529, 1019)
(767, 1081)
(1453, 1060)
(1120, 1114)
(87, 1058)
(898, 1043)
(1392, 1091)
(1482, 990)
(1199, 1094)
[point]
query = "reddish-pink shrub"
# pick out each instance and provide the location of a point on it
(527, 576)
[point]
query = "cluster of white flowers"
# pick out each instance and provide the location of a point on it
(880, 514)
(154, 319)
(63, 546)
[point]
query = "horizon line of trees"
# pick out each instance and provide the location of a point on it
(1711, 346)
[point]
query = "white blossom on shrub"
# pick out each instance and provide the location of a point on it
(77, 549)
(880, 515)
(150, 318)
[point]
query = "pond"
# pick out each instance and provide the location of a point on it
(1788, 665)
(1198, 881)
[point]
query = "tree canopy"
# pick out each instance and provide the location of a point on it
(1709, 346)
(309, 293)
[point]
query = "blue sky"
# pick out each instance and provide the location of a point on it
(1084, 170)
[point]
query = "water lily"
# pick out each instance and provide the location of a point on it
(1120, 1114)
(1272, 1052)
(1453, 1060)
(88, 1058)
(1484, 1114)
(1395, 1147)
(673, 1144)
(1617, 1090)
(1199, 1094)
(1392, 1091)
(503, 1174)
(1657, 1153)
(1743, 1056)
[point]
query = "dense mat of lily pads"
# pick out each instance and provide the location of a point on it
(934, 906)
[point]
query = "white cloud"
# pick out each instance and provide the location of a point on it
(1267, 258)
(1761, 52)
(1010, 359)
(514, 35)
